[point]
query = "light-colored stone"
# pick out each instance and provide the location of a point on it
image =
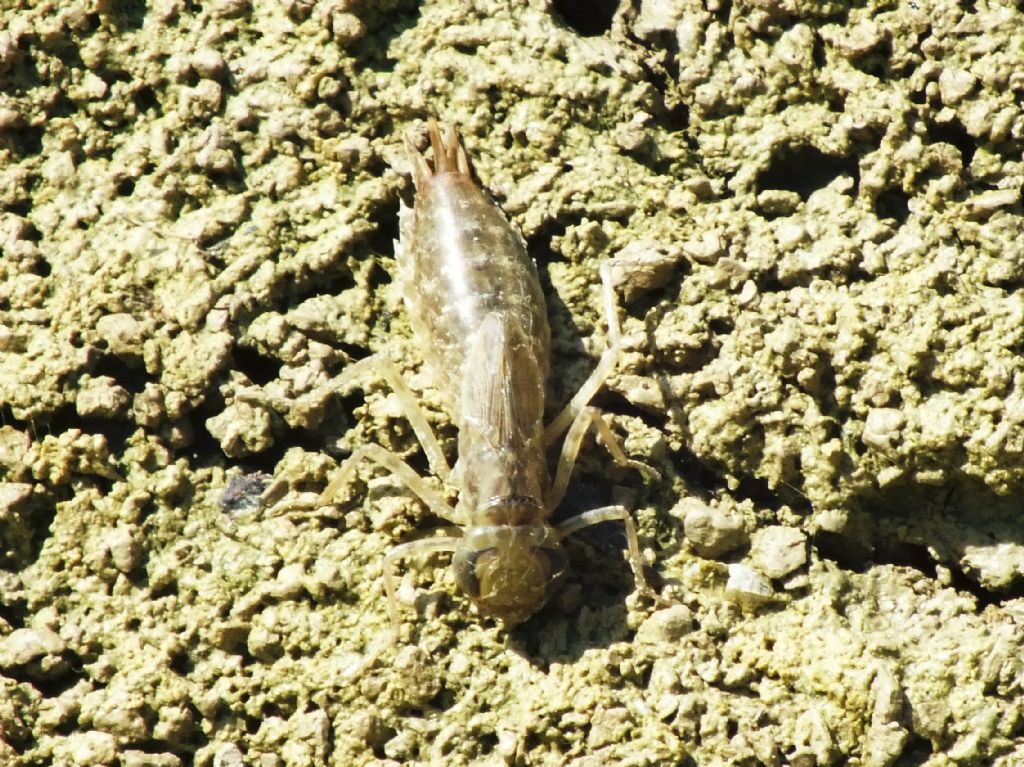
(667, 625)
(955, 84)
(747, 586)
(882, 427)
(777, 551)
(710, 531)
(22, 646)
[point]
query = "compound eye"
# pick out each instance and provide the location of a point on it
(557, 567)
(464, 567)
(468, 566)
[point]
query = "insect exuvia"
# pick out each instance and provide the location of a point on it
(478, 314)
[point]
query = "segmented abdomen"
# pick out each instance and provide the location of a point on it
(460, 262)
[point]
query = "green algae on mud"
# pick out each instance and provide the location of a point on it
(816, 213)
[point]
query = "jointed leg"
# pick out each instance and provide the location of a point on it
(587, 417)
(381, 365)
(612, 445)
(611, 314)
(604, 368)
(586, 393)
(405, 473)
(414, 413)
(611, 514)
(422, 546)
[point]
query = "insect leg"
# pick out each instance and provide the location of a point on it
(612, 514)
(614, 446)
(382, 366)
(405, 473)
(587, 417)
(604, 368)
(412, 548)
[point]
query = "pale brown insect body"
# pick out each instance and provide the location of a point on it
(478, 314)
(476, 304)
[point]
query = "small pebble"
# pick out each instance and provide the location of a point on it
(125, 550)
(228, 755)
(707, 250)
(642, 266)
(88, 748)
(668, 625)
(122, 332)
(747, 586)
(777, 551)
(882, 426)
(954, 85)
(208, 63)
(710, 531)
(22, 646)
(101, 397)
(982, 204)
(134, 758)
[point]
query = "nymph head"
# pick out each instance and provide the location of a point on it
(510, 570)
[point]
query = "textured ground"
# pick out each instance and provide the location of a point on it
(814, 214)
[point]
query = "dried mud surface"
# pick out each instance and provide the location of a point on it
(813, 211)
